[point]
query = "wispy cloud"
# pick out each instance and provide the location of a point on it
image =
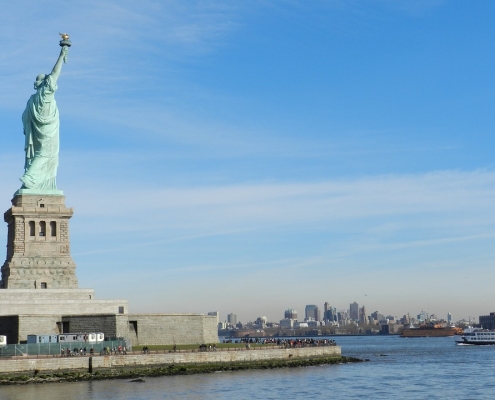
(436, 192)
(112, 40)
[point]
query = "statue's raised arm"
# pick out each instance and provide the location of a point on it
(57, 68)
(41, 129)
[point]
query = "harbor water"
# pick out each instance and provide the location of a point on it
(433, 368)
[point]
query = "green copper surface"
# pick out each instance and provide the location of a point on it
(41, 129)
(45, 192)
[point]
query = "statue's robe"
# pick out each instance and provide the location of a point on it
(41, 129)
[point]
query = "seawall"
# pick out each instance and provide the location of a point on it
(63, 364)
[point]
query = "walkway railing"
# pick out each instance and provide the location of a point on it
(73, 349)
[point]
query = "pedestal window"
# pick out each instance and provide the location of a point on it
(53, 228)
(42, 228)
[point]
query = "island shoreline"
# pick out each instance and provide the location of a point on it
(167, 370)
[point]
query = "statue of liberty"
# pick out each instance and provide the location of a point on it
(41, 128)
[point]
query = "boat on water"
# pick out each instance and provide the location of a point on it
(476, 336)
(430, 330)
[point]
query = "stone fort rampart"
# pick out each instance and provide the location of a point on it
(53, 364)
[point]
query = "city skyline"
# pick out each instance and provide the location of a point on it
(419, 314)
(252, 157)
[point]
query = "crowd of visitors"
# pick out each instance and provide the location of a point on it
(289, 342)
(204, 347)
(74, 352)
(117, 350)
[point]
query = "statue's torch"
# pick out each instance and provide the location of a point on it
(65, 42)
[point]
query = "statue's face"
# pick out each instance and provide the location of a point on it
(39, 80)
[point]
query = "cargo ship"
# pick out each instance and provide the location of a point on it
(430, 331)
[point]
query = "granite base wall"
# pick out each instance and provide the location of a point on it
(37, 324)
(46, 294)
(17, 327)
(57, 302)
(157, 329)
(139, 329)
(112, 325)
(145, 360)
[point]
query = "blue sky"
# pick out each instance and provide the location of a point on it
(250, 157)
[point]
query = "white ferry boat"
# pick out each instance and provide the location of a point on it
(478, 336)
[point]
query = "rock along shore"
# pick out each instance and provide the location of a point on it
(168, 370)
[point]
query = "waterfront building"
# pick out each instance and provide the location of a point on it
(487, 321)
(287, 323)
(376, 316)
(260, 323)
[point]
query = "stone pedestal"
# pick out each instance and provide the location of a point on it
(38, 244)
(38, 257)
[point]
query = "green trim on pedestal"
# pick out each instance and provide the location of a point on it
(37, 192)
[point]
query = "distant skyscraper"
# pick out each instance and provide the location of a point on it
(330, 314)
(326, 306)
(422, 316)
(312, 312)
(449, 318)
(377, 317)
(290, 314)
(232, 319)
(362, 315)
(342, 315)
(354, 311)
